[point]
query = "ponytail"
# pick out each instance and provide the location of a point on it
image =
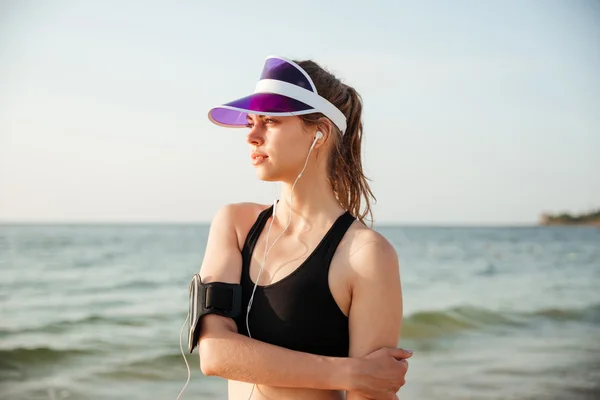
(345, 172)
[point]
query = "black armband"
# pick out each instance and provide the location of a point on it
(219, 298)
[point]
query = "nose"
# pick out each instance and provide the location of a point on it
(256, 136)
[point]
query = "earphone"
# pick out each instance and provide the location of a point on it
(318, 136)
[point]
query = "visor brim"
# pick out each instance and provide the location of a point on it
(234, 114)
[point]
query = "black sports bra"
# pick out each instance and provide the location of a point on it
(298, 312)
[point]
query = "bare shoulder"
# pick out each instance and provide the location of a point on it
(229, 227)
(370, 254)
(240, 210)
(238, 217)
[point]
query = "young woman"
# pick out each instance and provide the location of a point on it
(321, 293)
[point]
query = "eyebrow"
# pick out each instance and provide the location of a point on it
(261, 117)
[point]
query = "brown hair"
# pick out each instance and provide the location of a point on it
(345, 172)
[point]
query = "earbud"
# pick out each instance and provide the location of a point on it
(318, 135)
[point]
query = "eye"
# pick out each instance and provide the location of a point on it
(249, 125)
(270, 121)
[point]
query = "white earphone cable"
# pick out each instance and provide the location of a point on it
(184, 357)
(273, 244)
(267, 250)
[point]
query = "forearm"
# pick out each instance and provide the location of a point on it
(237, 357)
(355, 396)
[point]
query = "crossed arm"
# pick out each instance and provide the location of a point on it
(375, 318)
(376, 311)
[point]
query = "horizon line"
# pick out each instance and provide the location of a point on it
(431, 224)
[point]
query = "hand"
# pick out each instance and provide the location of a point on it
(381, 374)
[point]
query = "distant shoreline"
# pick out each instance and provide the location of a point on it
(558, 223)
(588, 219)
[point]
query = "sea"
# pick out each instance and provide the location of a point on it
(95, 312)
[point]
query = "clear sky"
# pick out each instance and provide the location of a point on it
(476, 112)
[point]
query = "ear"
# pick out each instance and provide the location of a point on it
(325, 129)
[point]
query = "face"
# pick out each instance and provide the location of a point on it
(278, 146)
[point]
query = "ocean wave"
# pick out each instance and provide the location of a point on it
(588, 314)
(66, 325)
(428, 324)
(39, 354)
(162, 367)
(22, 363)
(421, 325)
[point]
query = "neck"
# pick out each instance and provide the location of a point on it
(313, 204)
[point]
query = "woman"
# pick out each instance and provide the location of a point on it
(320, 291)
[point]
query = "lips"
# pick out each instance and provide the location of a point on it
(258, 157)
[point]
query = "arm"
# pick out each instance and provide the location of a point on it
(225, 353)
(375, 316)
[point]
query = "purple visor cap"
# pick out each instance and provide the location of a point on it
(284, 89)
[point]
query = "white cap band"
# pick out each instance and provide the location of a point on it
(307, 97)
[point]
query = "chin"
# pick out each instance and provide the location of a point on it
(270, 173)
(265, 175)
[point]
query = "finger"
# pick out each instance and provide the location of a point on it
(401, 353)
